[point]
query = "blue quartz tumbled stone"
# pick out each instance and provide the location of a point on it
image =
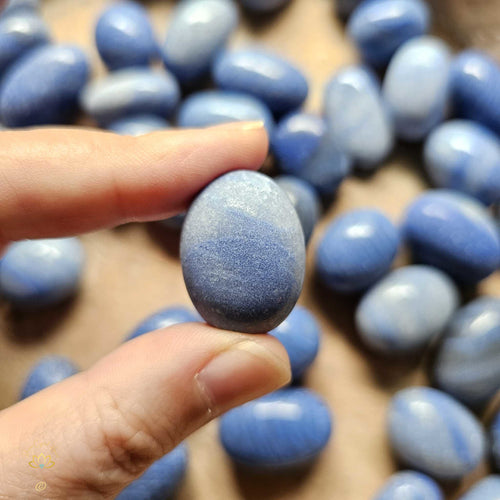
(304, 199)
(18, 34)
(356, 250)
(197, 33)
(416, 86)
(495, 441)
(434, 433)
(213, 107)
(243, 253)
(475, 88)
(129, 92)
(263, 74)
(468, 362)
(406, 310)
(46, 372)
(486, 489)
(20, 6)
(453, 232)
(163, 319)
(410, 485)
(161, 480)
(464, 156)
(42, 87)
(287, 428)
(358, 118)
(305, 148)
(380, 27)
(38, 273)
(137, 125)
(124, 36)
(300, 335)
(262, 6)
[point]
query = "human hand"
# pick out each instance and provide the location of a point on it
(111, 422)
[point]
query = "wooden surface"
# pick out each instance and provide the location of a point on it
(133, 270)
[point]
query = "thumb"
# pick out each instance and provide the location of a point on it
(107, 425)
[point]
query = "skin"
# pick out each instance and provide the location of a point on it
(110, 422)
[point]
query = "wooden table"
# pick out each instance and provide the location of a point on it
(131, 272)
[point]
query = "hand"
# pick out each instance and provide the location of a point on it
(109, 423)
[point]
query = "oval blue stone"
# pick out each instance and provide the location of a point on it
(198, 31)
(243, 253)
(358, 117)
(263, 74)
(380, 27)
(468, 362)
(464, 156)
(410, 485)
(434, 433)
(38, 273)
(416, 86)
(304, 199)
(18, 34)
(495, 441)
(406, 310)
(305, 148)
(300, 335)
(287, 428)
(213, 107)
(264, 6)
(46, 372)
(20, 6)
(161, 480)
(137, 125)
(124, 36)
(129, 92)
(42, 87)
(453, 232)
(475, 88)
(356, 250)
(163, 319)
(486, 489)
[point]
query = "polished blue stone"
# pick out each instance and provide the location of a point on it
(287, 428)
(304, 147)
(495, 441)
(137, 125)
(243, 253)
(356, 250)
(264, 6)
(198, 31)
(380, 27)
(161, 480)
(213, 107)
(453, 232)
(20, 6)
(406, 310)
(304, 199)
(128, 92)
(464, 156)
(42, 87)
(300, 335)
(434, 433)
(19, 34)
(416, 86)
(163, 319)
(37, 273)
(475, 88)
(124, 36)
(263, 74)
(409, 485)
(358, 117)
(486, 489)
(468, 362)
(46, 372)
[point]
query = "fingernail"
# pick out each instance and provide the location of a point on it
(242, 126)
(244, 372)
